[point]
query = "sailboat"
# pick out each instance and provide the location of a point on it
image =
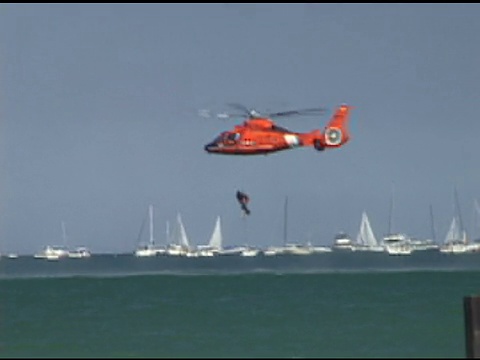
(456, 239)
(55, 252)
(216, 238)
(180, 245)
(296, 248)
(214, 245)
(288, 247)
(396, 243)
(366, 240)
(80, 252)
(474, 245)
(291, 247)
(149, 249)
(426, 244)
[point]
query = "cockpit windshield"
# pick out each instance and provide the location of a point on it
(218, 139)
(280, 129)
(232, 136)
(227, 138)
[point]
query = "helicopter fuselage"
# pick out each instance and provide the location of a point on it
(262, 136)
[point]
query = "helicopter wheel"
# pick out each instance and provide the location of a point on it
(317, 144)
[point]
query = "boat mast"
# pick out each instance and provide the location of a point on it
(150, 211)
(390, 219)
(434, 235)
(285, 214)
(475, 223)
(64, 234)
(457, 211)
(167, 232)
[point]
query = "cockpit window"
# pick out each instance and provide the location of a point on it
(218, 139)
(233, 136)
(280, 129)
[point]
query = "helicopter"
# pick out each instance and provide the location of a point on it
(259, 134)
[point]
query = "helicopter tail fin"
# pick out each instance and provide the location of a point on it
(336, 132)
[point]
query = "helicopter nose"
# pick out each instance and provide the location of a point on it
(210, 147)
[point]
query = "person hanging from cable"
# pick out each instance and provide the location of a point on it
(243, 199)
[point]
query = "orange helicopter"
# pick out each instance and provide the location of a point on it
(260, 135)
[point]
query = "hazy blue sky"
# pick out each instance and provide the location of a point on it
(98, 109)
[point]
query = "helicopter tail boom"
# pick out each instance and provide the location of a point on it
(336, 132)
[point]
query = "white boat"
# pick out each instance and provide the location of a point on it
(79, 253)
(55, 252)
(426, 244)
(149, 249)
(474, 243)
(474, 246)
(366, 240)
(397, 244)
(249, 252)
(175, 250)
(319, 248)
(214, 245)
(456, 241)
(232, 250)
(475, 234)
(274, 250)
(271, 251)
(342, 241)
(297, 249)
(9, 256)
(280, 250)
(423, 244)
(292, 248)
(52, 252)
(180, 245)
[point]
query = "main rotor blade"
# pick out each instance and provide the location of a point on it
(254, 114)
(229, 115)
(311, 111)
(206, 113)
(251, 113)
(241, 108)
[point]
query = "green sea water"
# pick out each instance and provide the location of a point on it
(367, 314)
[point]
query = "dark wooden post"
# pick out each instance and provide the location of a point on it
(471, 307)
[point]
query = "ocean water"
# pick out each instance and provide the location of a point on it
(325, 305)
